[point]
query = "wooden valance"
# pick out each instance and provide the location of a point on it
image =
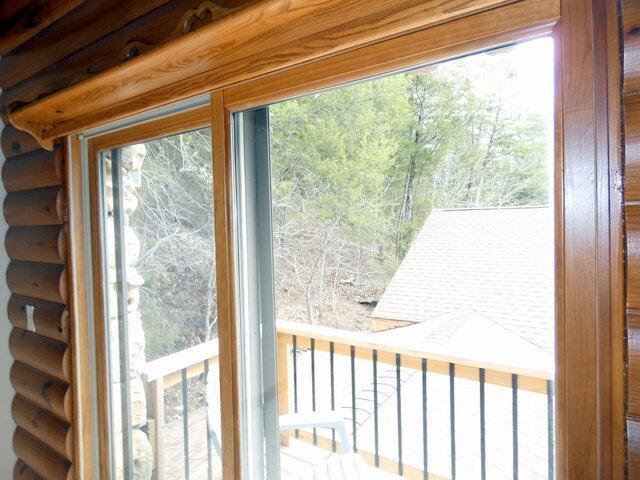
(262, 38)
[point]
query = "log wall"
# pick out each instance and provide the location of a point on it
(36, 244)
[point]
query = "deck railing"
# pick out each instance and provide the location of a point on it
(296, 339)
(163, 373)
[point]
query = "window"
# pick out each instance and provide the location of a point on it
(160, 314)
(396, 273)
(305, 299)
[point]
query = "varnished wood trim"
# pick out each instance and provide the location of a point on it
(613, 111)
(100, 321)
(256, 40)
(501, 26)
(82, 347)
(185, 121)
(225, 293)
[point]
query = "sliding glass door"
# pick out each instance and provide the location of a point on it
(255, 309)
(395, 274)
(159, 324)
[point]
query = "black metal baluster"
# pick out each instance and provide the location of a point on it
(353, 396)
(333, 395)
(483, 444)
(452, 417)
(425, 449)
(550, 430)
(514, 421)
(375, 409)
(294, 340)
(209, 456)
(313, 385)
(399, 412)
(185, 422)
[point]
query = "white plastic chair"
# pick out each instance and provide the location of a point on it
(344, 466)
(329, 419)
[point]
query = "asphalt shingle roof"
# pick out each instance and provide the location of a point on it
(495, 263)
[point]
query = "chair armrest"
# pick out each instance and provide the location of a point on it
(327, 419)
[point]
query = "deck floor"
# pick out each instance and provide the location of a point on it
(297, 460)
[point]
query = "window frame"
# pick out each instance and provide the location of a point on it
(88, 149)
(590, 299)
(578, 375)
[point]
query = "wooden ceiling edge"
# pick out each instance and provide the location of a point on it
(392, 18)
(36, 131)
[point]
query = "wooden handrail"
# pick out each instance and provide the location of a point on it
(368, 341)
(168, 368)
(170, 364)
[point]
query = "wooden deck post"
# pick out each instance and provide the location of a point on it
(283, 382)
(155, 407)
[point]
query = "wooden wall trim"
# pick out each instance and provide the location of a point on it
(258, 39)
(501, 26)
(590, 396)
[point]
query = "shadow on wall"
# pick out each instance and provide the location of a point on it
(7, 457)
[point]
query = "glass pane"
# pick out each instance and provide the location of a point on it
(413, 271)
(161, 308)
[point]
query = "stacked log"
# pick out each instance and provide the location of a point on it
(36, 243)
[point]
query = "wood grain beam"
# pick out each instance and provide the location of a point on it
(41, 353)
(17, 142)
(41, 458)
(22, 23)
(42, 389)
(38, 280)
(22, 471)
(92, 54)
(28, 208)
(46, 427)
(256, 40)
(86, 24)
(44, 244)
(37, 169)
(50, 319)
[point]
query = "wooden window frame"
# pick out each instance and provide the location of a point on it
(98, 420)
(589, 253)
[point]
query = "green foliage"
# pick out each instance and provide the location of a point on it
(355, 172)
(357, 169)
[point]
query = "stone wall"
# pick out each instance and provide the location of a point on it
(132, 160)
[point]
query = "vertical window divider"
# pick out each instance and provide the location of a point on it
(226, 294)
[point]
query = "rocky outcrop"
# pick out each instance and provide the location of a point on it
(132, 160)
